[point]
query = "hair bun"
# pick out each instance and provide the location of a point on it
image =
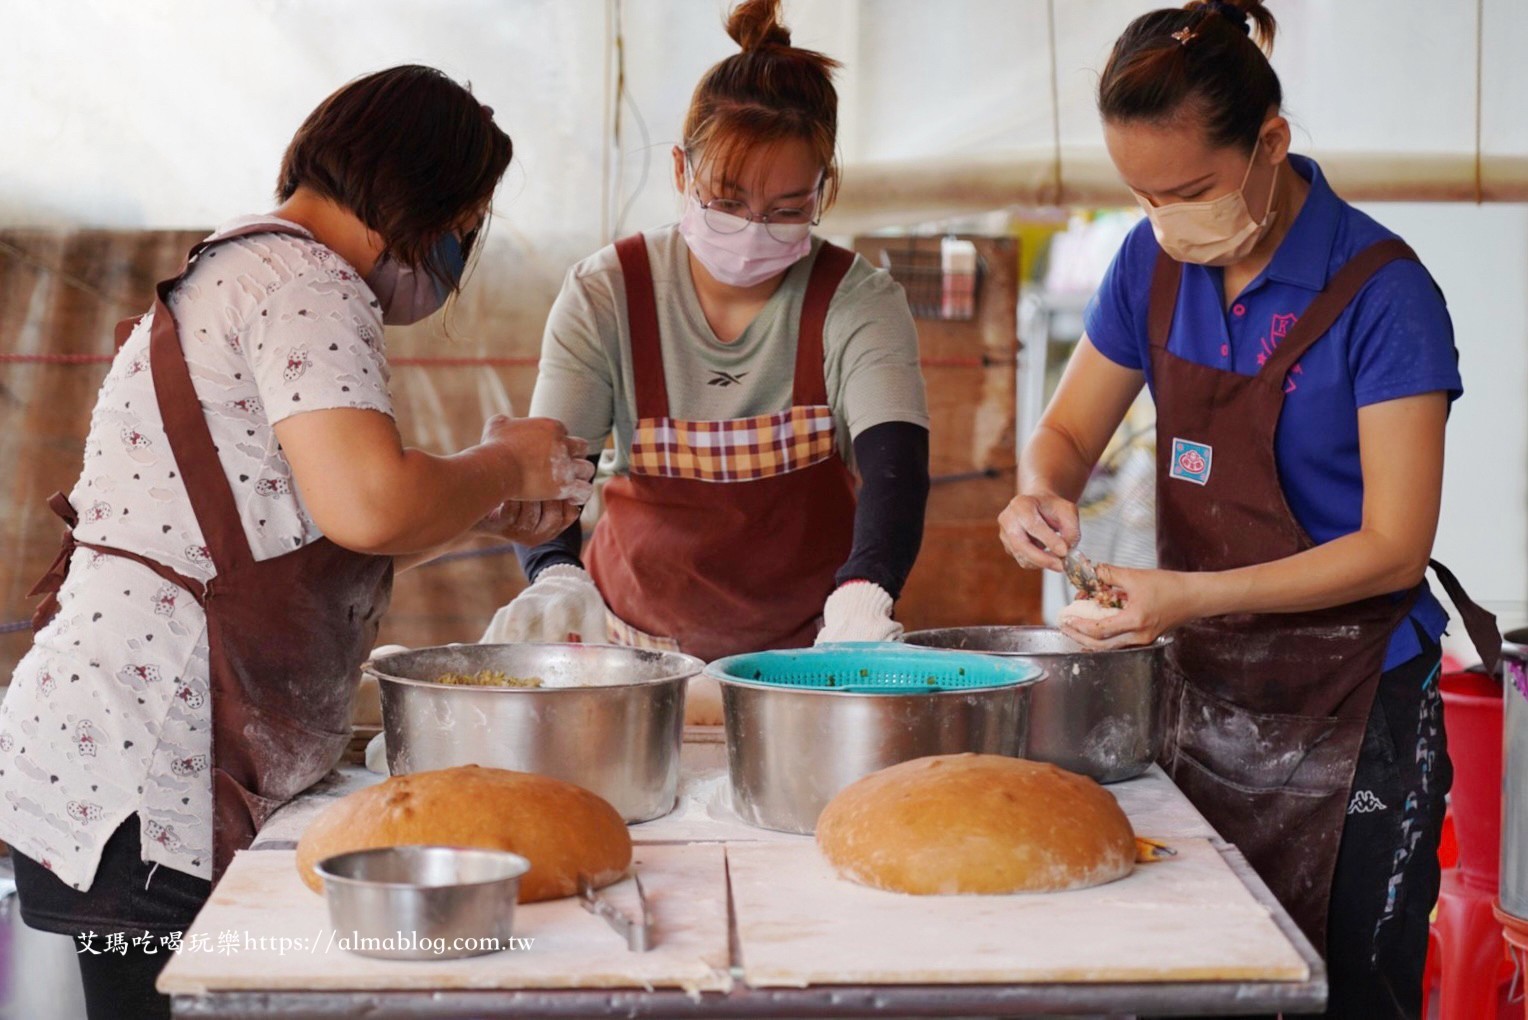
(1229, 9)
(755, 25)
(1231, 12)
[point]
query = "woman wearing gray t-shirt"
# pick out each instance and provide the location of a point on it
(741, 363)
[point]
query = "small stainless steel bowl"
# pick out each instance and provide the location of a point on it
(791, 749)
(1096, 713)
(608, 719)
(423, 902)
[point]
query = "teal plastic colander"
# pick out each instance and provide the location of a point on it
(875, 668)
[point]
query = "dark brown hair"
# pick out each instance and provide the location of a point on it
(769, 93)
(1200, 59)
(407, 150)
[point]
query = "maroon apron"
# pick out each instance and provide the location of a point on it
(286, 635)
(1264, 714)
(724, 537)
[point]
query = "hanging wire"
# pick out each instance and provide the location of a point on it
(78, 283)
(647, 156)
(613, 98)
(623, 100)
(1480, 45)
(606, 202)
(1055, 97)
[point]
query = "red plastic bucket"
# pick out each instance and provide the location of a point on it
(1472, 715)
(1514, 930)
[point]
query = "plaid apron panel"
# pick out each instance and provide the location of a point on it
(623, 633)
(734, 449)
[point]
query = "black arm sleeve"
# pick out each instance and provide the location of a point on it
(892, 459)
(566, 548)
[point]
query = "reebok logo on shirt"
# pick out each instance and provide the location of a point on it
(725, 379)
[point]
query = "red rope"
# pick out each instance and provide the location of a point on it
(983, 361)
(8, 358)
(55, 359)
(464, 362)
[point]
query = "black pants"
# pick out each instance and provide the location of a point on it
(124, 900)
(1387, 867)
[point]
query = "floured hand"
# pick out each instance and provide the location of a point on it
(1087, 609)
(1155, 602)
(575, 473)
(1038, 529)
(529, 523)
(541, 460)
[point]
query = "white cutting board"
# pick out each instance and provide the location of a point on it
(1187, 919)
(261, 896)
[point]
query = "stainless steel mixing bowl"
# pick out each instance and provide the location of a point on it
(608, 719)
(1096, 713)
(791, 749)
(423, 902)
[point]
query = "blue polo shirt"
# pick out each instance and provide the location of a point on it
(1394, 340)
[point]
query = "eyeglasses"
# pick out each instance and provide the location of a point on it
(731, 216)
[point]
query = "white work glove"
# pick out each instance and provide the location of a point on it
(376, 754)
(858, 611)
(562, 605)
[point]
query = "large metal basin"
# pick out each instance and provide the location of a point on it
(608, 719)
(790, 750)
(1096, 712)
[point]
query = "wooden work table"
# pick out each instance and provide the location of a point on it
(754, 923)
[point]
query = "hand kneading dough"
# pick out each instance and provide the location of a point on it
(560, 828)
(1087, 609)
(976, 823)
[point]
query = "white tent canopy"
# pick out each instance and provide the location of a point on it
(172, 113)
(972, 105)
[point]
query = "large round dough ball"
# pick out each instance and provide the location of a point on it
(976, 823)
(560, 828)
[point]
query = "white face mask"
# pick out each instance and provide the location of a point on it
(1214, 233)
(747, 256)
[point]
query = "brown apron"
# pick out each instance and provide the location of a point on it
(286, 635)
(1264, 714)
(730, 546)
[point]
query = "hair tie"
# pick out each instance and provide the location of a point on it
(1231, 13)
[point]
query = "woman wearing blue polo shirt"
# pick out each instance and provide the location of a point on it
(1302, 363)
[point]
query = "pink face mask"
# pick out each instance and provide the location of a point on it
(407, 294)
(747, 256)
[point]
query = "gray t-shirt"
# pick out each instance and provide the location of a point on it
(870, 350)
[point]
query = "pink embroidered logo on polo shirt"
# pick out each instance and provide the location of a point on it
(1278, 329)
